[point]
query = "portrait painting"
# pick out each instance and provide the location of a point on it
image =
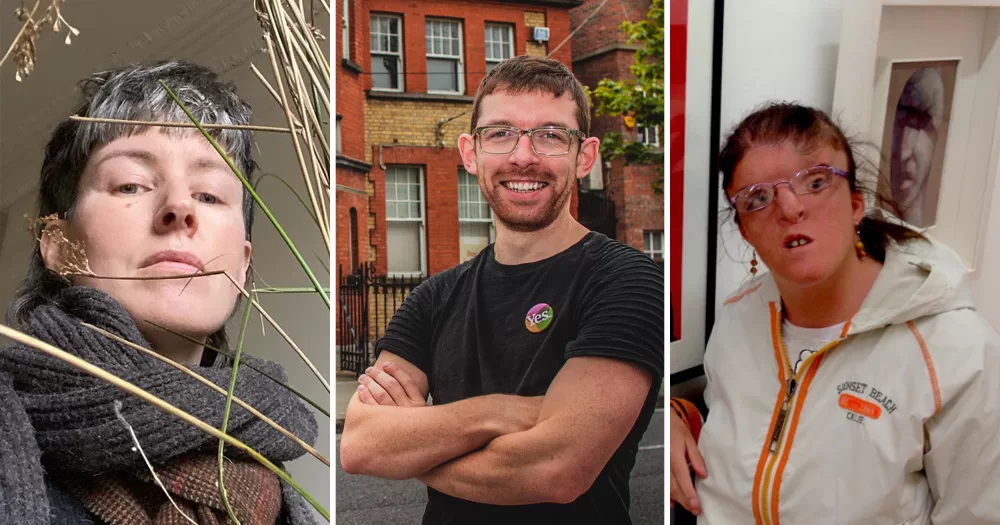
(918, 114)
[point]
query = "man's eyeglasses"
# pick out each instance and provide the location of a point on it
(549, 141)
(756, 197)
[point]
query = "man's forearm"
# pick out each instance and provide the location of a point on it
(515, 469)
(400, 443)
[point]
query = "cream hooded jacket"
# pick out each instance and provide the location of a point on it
(895, 422)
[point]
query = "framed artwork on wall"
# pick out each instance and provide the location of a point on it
(695, 73)
(920, 81)
(914, 135)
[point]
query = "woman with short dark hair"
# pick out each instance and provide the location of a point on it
(126, 210)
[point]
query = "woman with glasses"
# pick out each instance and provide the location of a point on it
(852, 383)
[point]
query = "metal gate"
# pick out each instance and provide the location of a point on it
(352, 321)
(367, 303)
(597, 212)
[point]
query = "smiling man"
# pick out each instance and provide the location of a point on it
(543, 355)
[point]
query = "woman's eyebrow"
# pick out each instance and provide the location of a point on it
(211, 164)
(140, 155)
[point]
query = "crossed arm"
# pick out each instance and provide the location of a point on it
(400, 437)
(498, 449)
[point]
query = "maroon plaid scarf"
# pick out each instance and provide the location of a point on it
(253, 491)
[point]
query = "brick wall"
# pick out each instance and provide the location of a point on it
(612, 64)
(413, 123)
(347, 199)
(639, 207)
(535, 19)
(350, 84)
(605, 27)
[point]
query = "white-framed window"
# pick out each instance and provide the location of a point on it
(387, 52)
(649, 136)
(475, 219)
(345, 33)
(404, 216)
(652, 244)
(499, 44)
(444, 56)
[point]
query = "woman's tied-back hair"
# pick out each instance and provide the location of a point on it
(131, 93)
(527, 74)
(808, 129)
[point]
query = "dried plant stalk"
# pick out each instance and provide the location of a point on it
(74, 252)
(298, 62)
(166, 124)
(24, 45)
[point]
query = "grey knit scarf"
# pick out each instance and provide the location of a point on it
(54, 415)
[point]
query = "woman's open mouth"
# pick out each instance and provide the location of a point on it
(797, 241)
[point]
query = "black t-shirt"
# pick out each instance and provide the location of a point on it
(485, 328)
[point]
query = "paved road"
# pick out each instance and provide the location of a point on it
(363, 500)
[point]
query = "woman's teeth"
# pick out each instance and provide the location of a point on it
(525, 187)
(798, 242)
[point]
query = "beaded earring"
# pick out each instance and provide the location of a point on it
(859, 246)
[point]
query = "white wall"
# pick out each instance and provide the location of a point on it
(787, 49)
(988, 284)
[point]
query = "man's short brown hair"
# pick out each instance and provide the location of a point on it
(526, 74)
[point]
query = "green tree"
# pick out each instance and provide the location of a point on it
(638, 99)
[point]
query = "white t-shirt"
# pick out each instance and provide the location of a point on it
(800, 342)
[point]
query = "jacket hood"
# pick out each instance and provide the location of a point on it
(919, 278)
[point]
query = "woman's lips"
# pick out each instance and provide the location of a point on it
(174, 260)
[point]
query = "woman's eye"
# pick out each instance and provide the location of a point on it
(207, 198)
(757, 198)
(128, 189)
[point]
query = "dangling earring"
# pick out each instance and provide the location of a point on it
(753, 264)
(859, 246)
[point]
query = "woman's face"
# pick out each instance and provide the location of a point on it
(152, 205)
(825, 220)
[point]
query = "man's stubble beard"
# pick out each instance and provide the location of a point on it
(508, 214)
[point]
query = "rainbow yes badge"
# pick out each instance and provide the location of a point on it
(538, 318)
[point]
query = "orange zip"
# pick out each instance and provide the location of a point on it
(776, 490)
(762, 487)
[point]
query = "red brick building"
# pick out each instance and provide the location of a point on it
(351, 169)
(407, 75)
(600, 50)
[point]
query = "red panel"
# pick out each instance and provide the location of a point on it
(678, 80)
